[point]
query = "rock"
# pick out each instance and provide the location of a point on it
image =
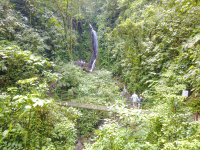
(192, 42)
(86, 67)
(79, 145)
(153, 38)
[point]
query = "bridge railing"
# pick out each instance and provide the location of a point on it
(66, 96)
(142, 102)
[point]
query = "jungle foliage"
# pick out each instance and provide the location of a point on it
(153, 45)
(29, 119)
(147, 37)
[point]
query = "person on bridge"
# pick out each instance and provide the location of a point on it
(135, 98)
(140, 101)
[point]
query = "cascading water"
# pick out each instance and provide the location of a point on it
(93, 65)
(94, 43)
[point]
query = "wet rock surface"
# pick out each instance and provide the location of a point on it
(79, 144)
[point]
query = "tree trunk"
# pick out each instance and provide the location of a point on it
(71, 32)
(62, 15)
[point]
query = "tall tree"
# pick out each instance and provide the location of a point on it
(63, 9)
(71, 29)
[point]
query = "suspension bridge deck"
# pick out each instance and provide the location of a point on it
(95, 107)
(83, 105)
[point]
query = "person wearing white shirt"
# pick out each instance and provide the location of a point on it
(135, 98)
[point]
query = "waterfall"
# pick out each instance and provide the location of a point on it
(94, 43)
(93, 65)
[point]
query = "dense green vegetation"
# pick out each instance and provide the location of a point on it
(153, 46)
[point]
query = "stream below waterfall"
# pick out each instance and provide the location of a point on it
(81, 140)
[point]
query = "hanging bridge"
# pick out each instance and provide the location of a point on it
(94, 111)
(66, 98)
(97, 110)
(83, 105)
